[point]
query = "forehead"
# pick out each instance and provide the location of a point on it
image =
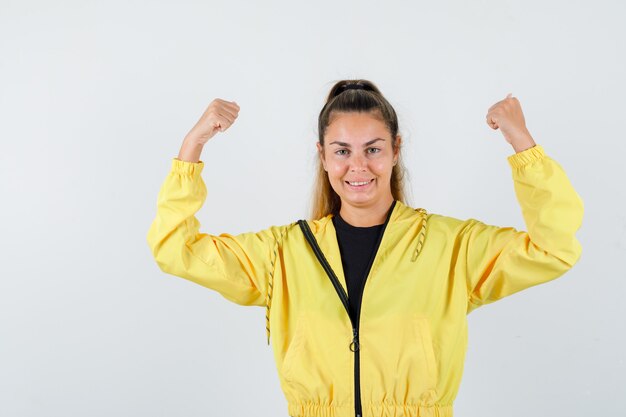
(355, 127)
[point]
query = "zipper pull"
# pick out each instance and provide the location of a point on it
(354, 345)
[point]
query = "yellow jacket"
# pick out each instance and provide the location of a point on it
(430, 271)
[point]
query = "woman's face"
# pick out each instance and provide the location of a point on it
(358, 157)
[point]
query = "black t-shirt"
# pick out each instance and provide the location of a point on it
(357, 246)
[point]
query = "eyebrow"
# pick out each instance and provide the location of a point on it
(336, 142)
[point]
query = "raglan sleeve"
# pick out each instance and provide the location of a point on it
(236, 266)
(501, 261)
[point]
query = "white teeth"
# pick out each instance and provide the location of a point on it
(359, 183)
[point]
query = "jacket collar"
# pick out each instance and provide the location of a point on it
(401, 219)
(326, 236)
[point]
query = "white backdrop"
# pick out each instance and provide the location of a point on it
(96, 97)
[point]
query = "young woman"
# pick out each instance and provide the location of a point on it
(367, 301)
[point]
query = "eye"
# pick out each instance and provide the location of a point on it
(341, 152)
(373, 150)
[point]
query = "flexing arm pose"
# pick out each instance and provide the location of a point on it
(237, 266)
(502, 260)
(411, 326)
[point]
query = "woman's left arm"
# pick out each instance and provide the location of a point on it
(501, 260)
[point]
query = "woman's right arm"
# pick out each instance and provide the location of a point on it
(235, 266)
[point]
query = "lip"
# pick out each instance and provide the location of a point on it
(360, 187)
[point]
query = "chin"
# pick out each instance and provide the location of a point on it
(358, 201)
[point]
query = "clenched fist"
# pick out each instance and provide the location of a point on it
(218, 117)
(507, 116)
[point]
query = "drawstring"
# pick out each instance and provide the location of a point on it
(421, 236)
(270, 285)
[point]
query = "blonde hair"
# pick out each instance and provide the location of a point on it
(343, 98)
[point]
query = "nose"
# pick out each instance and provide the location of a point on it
(358, 164)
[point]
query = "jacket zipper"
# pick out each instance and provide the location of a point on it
(354, 344)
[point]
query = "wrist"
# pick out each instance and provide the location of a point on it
(190, 150)
(522, 142)
(194, 139)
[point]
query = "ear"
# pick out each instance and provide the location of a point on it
(396, 152)
(320, 153)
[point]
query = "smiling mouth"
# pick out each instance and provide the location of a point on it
(359, 183)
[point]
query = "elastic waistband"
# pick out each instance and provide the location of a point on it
(310, 409)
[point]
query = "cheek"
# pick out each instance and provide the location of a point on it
(336, 169)
(381, 167)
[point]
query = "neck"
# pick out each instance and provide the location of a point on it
(366, 216)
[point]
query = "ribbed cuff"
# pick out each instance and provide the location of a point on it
(187, 168)
(525, 157)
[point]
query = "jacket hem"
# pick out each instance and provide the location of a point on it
(310, 409)
(407, 410)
